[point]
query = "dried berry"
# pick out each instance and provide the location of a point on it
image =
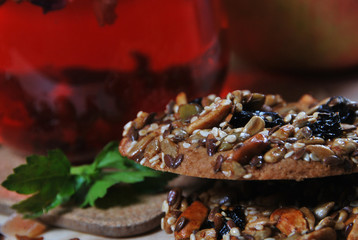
(327, 126)
(240, 119)
(238, 216)
(235, 215)
(343, 107)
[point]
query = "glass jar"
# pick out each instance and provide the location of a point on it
(70, 81)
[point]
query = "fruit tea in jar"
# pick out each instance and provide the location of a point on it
(73, 73)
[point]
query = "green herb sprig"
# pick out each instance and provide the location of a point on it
(52, 180)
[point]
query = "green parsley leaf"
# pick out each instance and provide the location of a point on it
(53, 181)
(48, 178)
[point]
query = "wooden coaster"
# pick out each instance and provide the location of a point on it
(117, 221)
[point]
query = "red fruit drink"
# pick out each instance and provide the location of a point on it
(67, 82)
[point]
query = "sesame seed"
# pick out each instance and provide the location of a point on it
(227, 173)
(289, 154)
(314, 157)
(192, 236)
(142, 161)
(222, 134)
(288, 145)
(253, 219)
(247, 176)
(162, 223)
(172, 227)
(176, 108)
(269, 118)
(165, 206)
(171, 220)
(193, 119)
(127, 127)
(155, 158)
(212, 97)
(217, 99)
(288, 118)
(235, 232)
(244, 135)
(162, 165)
(139, 114)
(231, 138)
(154, 163)
(298, 145)
(204, 133)
(153, 126)
(301, 115)
(226, 237)
(223, 124)
(186, 145)
(226, 102)
(196, 131)
(164, 128)
(142, 132)
(259, 227)
(306, 157)
(215, 131)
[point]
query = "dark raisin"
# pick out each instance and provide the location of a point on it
(327, 126)
(239, 119)
(238, 216)
(272, 119)
(343, 107)
(223, 231)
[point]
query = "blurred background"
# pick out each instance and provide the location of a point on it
(72, 73)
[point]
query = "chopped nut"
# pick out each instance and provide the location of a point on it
(284, 132)
(255, 125)
(193, 216)
(141, 145)
(275, 154)
(322, 210)
(181, 99)
(152, 148)
(320, 151)
(322, 234)
(289, 220)
(343, 146)
(252, 147)
(169, 148)
(212, 118)
(309, 217)
(233, 169)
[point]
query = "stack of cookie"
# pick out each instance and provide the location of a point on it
(306, 152)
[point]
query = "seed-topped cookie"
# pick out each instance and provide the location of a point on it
(247, 136)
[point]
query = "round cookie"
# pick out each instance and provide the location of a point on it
(247, 136)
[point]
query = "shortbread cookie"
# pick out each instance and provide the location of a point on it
(247, 136)
(316, 209)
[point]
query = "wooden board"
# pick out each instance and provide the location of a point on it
(117, 221)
